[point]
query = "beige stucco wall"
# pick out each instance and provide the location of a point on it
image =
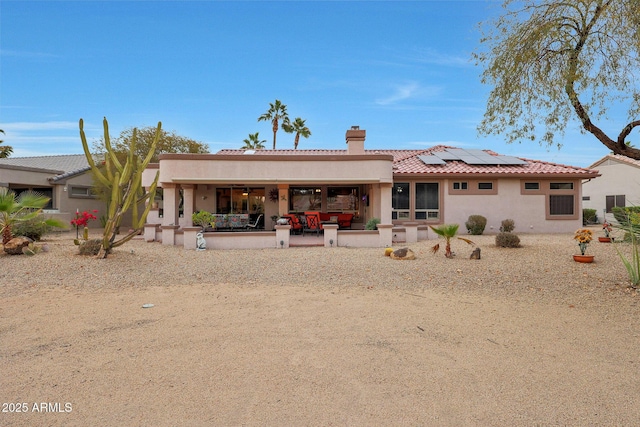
(269, 169)
(528, 211)
(617, 179)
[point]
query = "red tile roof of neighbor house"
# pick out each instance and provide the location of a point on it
(617, 158)
(407, 162)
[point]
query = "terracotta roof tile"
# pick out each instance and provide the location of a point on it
(407, 162)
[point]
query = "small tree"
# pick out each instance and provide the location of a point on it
(125, 185)
(298, 127)
(448, 232)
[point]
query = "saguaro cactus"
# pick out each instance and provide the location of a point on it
(125, 184)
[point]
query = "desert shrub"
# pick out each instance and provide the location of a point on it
(589, 216)
(507, 225)
(372, 224)
(33, 228)
(621, 214)
(90, 247)
(507, 240)
(476, 224)
(203, 218)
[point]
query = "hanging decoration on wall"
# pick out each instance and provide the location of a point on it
(273, 195)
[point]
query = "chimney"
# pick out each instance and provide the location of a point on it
(355, 140)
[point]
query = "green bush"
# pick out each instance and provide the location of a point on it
(476, 224)
(621, 214)
(203, 219)
(33, 228)
(589, 216)
(507, 240)
(507, 225)
(372, 224)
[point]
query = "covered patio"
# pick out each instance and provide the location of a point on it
(264, 186)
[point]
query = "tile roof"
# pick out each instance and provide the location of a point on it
(60, 166)
(407, 162)
(617, 158)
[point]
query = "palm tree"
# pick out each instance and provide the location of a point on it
(299, 128)
(253, 142)
(277, 111)
(27, 206)
(448, 231)
(5, 151)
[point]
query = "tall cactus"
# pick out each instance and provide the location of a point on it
(125, 184)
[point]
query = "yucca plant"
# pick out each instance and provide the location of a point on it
(448, 232)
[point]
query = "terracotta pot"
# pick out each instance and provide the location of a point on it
(605, 239)
(583, 258)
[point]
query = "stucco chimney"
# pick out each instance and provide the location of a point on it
(355, 140)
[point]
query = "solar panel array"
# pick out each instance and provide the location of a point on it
(470, 157)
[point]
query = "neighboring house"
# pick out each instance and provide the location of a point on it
(65, 179)
(405, 189)
(619, 185)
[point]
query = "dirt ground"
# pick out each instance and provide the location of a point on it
(230, 354)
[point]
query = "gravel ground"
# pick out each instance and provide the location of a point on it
(317, 336)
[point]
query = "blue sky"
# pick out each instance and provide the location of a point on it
(208, 69)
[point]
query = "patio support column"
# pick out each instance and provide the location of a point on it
(171, 202)
(385, 203)
(188, 193)
(283, 199)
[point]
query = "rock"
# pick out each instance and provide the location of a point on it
(475, 254)
(403, 253)
(15, 245)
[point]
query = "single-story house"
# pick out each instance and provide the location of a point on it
(407, 190)
(618, 185)
(65, 179)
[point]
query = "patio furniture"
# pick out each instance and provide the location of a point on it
(254, 226)
(294, 222)
(313, 224)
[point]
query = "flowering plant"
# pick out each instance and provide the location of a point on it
(583, 236)
(81, 220)
(606, 227)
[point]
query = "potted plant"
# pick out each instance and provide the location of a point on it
(584, 237)
(606, 227)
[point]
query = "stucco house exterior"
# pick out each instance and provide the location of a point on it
(65, 179)
(618, 185)
(407, 190)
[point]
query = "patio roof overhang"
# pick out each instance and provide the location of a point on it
(252, 181)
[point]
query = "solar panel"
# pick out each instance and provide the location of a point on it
(446, 155)
(510, 160)
(432, 160)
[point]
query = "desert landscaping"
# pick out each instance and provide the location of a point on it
(319, 336)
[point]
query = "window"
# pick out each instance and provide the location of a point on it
(400, 200)
(303, 199)
(531, 185)
(561, 204)
(427, 200)
(561, 186)
(80, 192)
(485, 186)
(586, 198)
(343, 199)
(614, 202)
(460, 185)
(240, 200)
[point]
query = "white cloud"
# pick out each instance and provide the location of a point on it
(37, 126)
(406, 91)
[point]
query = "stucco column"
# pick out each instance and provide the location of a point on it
(283, 199)
(385, 203)
(411, 232)
(188, 193)
(283, 232)
(330, 235)
(170, 203)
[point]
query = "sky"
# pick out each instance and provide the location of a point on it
(401, 70)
